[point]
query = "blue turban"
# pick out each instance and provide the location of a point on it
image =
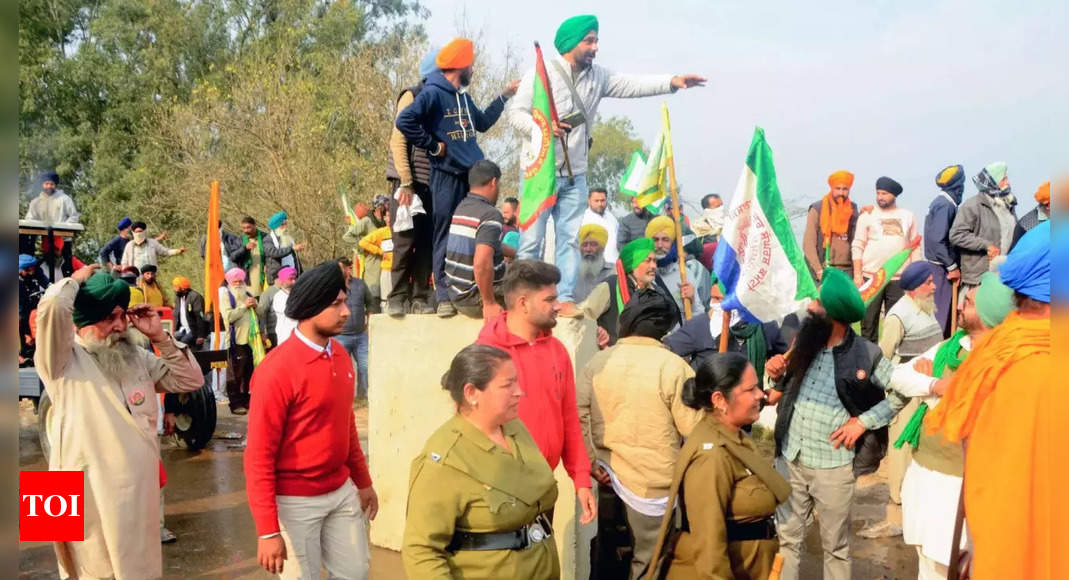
(277, 219)
(124, 223)
(26, 260)
(50, 176)
(427, 65)
(914, 275)
(952, 180)
(1027, 266)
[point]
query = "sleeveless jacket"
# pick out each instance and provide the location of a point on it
(417, 158)
(922, 331)
(856, 392)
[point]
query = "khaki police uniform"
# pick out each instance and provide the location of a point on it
(464, 482)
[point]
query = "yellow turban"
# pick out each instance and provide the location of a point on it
(661, 223)
(1043, 193)
(180, 283)
(596, 232)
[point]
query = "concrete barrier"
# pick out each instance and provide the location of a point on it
(407, 359)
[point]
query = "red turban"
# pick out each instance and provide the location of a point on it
(459, 53)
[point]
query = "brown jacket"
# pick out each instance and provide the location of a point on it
(813, 243)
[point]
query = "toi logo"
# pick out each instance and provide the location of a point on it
(52, 506)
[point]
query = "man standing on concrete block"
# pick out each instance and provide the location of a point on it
(579, 85)
(525, 331)
(307, 478)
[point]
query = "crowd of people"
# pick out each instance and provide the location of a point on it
(653, 431)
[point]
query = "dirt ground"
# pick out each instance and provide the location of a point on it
(206, 507)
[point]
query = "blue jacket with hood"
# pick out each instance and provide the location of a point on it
(440, 114)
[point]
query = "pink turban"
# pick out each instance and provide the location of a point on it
(287, 273)
(235, 275)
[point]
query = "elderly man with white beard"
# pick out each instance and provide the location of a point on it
(103, 382)
(662, 230)
(593, 269)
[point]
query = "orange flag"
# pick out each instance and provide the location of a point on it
(213, 259)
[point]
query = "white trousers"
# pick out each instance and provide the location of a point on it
(929, 569)
(324, 531)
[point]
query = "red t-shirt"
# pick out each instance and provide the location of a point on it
(302, 436)
(548, 407)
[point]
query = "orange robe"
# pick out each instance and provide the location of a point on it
(1005, 402)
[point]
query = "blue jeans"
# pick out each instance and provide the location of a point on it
(356, 346)
(567, 217)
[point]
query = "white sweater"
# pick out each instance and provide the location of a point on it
(592, 85)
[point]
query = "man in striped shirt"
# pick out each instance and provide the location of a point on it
(474, 255)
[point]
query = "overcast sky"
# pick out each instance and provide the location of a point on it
(898, 88)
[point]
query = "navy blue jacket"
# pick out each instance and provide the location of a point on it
(112, 251)
(937, 246)
(694, 341)
(442, 115)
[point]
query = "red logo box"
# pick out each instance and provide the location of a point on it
(51, 506)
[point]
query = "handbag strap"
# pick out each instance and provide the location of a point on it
(571, 88)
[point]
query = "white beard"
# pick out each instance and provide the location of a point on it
(117, 354)
(925, 305)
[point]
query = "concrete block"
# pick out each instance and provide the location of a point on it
(407, 359)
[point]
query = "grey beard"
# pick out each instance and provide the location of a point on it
(117, 354)
(925, 305)
(590, 266)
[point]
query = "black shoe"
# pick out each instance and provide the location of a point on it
(395, 310)
(446, 310)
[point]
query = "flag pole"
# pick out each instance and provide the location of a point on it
(954, 307)
(556, 121)
(676, 216)
(725, 328)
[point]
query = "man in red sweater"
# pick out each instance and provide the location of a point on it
(548, 409)
(306, 476)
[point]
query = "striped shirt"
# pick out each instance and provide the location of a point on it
(475, 222)
(818, 413)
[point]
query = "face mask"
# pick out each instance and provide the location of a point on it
(139, 237)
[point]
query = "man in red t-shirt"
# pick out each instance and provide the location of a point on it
(548, 409)
(306, 476)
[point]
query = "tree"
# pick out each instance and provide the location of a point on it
(614, 143)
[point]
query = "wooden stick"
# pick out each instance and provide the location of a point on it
(725, 330)
(954, 307)
(679, 224)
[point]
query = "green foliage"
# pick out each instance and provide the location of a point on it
(139, 104)
(614, 143)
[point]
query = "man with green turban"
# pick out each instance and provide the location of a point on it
(831, 424)
(933, 477)
(103, 382)
(578, 87)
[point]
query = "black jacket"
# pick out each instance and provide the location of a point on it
(273, 256)
(232, 247)
(694, 341)
(194, 312)
(856, 392)
(632, 227)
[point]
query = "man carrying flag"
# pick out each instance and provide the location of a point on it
(577, 86)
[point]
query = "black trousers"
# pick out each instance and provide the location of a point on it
(238, 376)
(412, 252)
(610, 550)
(447, 189)
(870, 325)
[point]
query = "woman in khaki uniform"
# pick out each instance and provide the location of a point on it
(480, 491)
(727, 491)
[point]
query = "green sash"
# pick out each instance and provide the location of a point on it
(948, 356)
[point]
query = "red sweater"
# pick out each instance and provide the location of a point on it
(548, 408)
(302, 434)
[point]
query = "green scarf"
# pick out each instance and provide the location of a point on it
(753, 336)
(248, 261)
(946, 357)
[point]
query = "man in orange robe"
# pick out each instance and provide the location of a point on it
(1003, 404)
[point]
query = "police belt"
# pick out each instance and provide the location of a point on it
(533, 533)
(760, 530)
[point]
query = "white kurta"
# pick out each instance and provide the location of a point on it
(108, 431)
(607, 221)
(929, 498)
(284, 325)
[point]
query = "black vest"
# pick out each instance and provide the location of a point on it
(855, 362)
(418, 163)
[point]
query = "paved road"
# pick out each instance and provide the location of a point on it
(206, 507)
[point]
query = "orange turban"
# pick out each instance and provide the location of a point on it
(841, 177)
(181, 283)
(1043, 193)
(459, 53)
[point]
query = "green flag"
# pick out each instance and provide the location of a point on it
(871, 289)
(539, 175)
